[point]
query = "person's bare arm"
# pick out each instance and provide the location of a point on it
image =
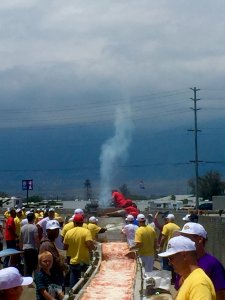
(40, 231)
(162, 241)
(46, 295)
(137, 246)
(90, 245)
(102, 230)
(36, 240)
(156, 222)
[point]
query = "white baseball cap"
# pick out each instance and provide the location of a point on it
(178, 244)
(93, 219)
(129, 218)
(18, 210)
(10, 278)
(186, 218)
(194, 228)
(52, 224)
(170, 217)
(79, 211)
(141, 217)
(51, 209)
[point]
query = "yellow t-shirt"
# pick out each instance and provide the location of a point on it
(17, 222)
(94, 229)
(147, 236)
(168, 230)
(197, 286)
(75, 238)
(37, 217)
(24, 214)
(57, 215)
(69, 226)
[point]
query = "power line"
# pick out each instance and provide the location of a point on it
(196, 161)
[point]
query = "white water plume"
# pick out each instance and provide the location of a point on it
(114, 150)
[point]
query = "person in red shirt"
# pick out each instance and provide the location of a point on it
(10, 234)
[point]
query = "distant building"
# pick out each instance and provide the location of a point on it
(11, 202)
(171, 202)
(75, 204)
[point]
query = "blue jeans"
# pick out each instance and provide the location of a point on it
(75, 273)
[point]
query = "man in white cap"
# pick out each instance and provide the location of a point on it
(186, 218)
(11, 283)
(94, 228)
(167, 232)
(209, 263)
(181, 253)
(146, 243)
(41, 225)
(47, 244)
(129, 230)
(25, 221)
(191, 218)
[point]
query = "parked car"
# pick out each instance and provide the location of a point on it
(205, 206)
(187, 207)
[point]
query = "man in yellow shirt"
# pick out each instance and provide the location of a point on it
(17, 221)
(71, 223)
(94, 228)
(37, 215)
(79, 243)
(181, 252)
(24, 212)
(146, 243)
(167, 233)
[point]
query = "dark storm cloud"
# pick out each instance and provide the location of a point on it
(74, 62)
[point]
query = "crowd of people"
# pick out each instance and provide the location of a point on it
(41, 235)
(195, 273)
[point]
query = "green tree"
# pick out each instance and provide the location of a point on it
(208, 185)
(35, 199)
(3, 195)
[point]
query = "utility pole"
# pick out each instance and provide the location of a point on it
(195, 130)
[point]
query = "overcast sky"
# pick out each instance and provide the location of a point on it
(75, 62)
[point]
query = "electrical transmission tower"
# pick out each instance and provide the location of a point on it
(196, 130)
